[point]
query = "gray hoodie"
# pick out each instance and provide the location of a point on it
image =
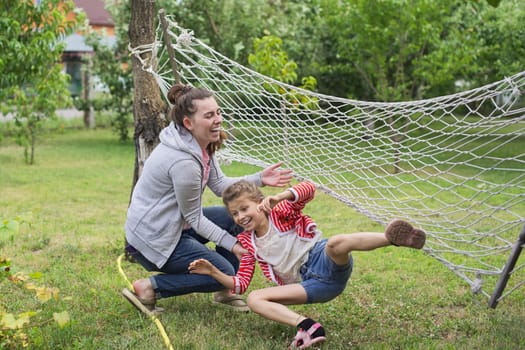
(168, 194)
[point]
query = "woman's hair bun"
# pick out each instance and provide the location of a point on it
(177, 91)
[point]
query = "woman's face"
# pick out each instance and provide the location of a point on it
(205, 124)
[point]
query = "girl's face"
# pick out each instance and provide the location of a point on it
(205, 124)
(245, 214)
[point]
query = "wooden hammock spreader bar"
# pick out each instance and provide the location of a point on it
(507, 270)
(169, 45)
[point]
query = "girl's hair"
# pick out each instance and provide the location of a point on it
(242, 187)
(181, 97)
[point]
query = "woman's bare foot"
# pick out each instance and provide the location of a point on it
(144, 289)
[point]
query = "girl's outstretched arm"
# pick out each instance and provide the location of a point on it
(204, 267)
(269, 202)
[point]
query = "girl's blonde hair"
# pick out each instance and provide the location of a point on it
(242, 187)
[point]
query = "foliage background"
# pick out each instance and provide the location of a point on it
(386, 50)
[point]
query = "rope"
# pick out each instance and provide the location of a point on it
(153, 317)
(453, 165)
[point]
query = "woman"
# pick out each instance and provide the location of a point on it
(166, 215)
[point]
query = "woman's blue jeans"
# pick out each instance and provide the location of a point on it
(175, 279)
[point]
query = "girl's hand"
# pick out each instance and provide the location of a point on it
(201, 267)
(268, 203)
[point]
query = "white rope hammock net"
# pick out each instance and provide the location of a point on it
(453, 165)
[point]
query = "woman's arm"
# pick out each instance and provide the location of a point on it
(218, 181)
(187, 184)
(270, 176)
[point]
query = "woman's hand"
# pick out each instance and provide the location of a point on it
(238, 250)
(272, 176)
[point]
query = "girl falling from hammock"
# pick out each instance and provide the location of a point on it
(292, 253)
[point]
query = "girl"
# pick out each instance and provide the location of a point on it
(292, 254)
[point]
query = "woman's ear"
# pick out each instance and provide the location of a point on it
(186, 122)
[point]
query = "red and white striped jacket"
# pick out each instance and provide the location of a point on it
(287, 218)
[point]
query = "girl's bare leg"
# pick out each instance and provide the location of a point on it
(271, 303)
(397, 232)
(339, 246)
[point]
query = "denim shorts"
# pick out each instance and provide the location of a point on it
(323, 280)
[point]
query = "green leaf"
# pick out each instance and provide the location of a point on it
(13, 226)
(36, 275)
(494, 3)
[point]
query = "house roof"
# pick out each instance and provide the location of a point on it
(96, 12)
(97, 16)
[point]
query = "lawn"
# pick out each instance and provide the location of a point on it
(72, 204)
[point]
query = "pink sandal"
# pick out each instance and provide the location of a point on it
(401, 233)
(303, 339)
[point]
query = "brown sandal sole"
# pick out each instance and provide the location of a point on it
(401, 233)
(148, 309)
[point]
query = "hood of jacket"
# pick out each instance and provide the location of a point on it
(179, 138)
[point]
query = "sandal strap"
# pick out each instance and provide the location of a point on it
(313, 328)
(303, 338)
(147, 302)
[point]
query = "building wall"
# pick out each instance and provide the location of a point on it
(77, 54)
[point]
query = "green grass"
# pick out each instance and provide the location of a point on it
(74, 200)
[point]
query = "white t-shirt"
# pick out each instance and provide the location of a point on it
(285, 252)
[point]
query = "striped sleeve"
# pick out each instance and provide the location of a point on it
(287, 215)
(304, 192)
(241, 281)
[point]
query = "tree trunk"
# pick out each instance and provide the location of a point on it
(149, 109)
(89, 113)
